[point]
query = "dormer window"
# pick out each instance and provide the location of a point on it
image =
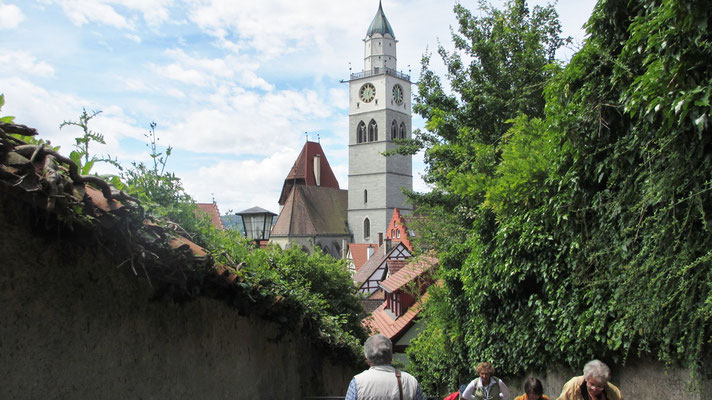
(394, 304)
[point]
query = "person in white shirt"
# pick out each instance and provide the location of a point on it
(487, 386)
(382, 381)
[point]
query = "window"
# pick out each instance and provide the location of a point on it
(361, 132)
(398, 233)
(366, 228)
(365, 196)
(394, 130)
(402, 131)
(372, 131)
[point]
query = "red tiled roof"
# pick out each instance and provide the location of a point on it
(359, 253)
(382, 322)
(302, 172)
(408, 273)
(211, 209)
(395, 265)
(367, 269)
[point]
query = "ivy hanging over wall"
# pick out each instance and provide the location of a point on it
(584, 225)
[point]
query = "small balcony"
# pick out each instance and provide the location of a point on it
(380, 71)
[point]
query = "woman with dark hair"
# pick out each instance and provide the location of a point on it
(533, 390)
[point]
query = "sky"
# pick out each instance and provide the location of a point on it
(234, 86)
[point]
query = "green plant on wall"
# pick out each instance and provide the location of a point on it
(81, 155)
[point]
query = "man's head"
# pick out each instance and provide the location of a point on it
(596, 375)
(378, 350)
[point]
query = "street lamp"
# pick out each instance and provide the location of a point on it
(257, 223)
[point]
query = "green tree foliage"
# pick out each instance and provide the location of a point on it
(312, 292)
(496, 73)
(588, 224)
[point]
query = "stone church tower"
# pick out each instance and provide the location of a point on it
(379, 112)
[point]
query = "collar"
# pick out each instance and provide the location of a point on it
(493, 380)
(384, 367)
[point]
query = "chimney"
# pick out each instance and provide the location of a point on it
(344, 248)
(317, 169)
(380, 239)
(369, 252)
(387, 245)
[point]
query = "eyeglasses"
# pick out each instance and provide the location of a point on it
(596, 386)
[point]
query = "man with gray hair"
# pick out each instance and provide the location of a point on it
(593, 385)
(382, 381)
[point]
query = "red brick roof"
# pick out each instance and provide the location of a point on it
(359, 253)
(408, 273)
(382, 322)
(302, 172)
(211, 209)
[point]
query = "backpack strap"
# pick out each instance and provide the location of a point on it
(400, 385)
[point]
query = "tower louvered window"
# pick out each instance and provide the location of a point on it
(394, 130)
(402, 130)
(361, 132)
(372, 131)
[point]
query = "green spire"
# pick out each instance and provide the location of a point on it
(380, 24)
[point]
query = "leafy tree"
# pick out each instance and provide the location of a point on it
(587, 227)
(496, 74)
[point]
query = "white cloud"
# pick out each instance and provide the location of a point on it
(82, 12)
(134, 38)
(243, 122)
(21, 62)
(104, 12)
(238, 185)
(45, 110)
(10, 16)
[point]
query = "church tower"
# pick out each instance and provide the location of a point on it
(379, 113)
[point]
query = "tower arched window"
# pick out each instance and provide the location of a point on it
(372, 131)
(394, 130)
(402, 130)
(361, 132)
(366, 228)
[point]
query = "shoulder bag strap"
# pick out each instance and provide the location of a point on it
(400, 385)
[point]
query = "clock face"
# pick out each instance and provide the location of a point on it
(398, 93)
(367, 92)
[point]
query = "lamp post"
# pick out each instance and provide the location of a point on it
(257, 223)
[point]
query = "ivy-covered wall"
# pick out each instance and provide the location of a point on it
(76, 326)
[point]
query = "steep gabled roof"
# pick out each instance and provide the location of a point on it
(408, 273)
(312, 211)
(381, 321)
(380, 24)
(359, 253)
(397, 230)
(302, 172)
(211, 210)
(374, 262)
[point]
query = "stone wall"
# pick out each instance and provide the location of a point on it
(75, 325)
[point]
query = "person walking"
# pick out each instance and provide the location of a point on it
(487, 386)
(593, 385)
(382, 381)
